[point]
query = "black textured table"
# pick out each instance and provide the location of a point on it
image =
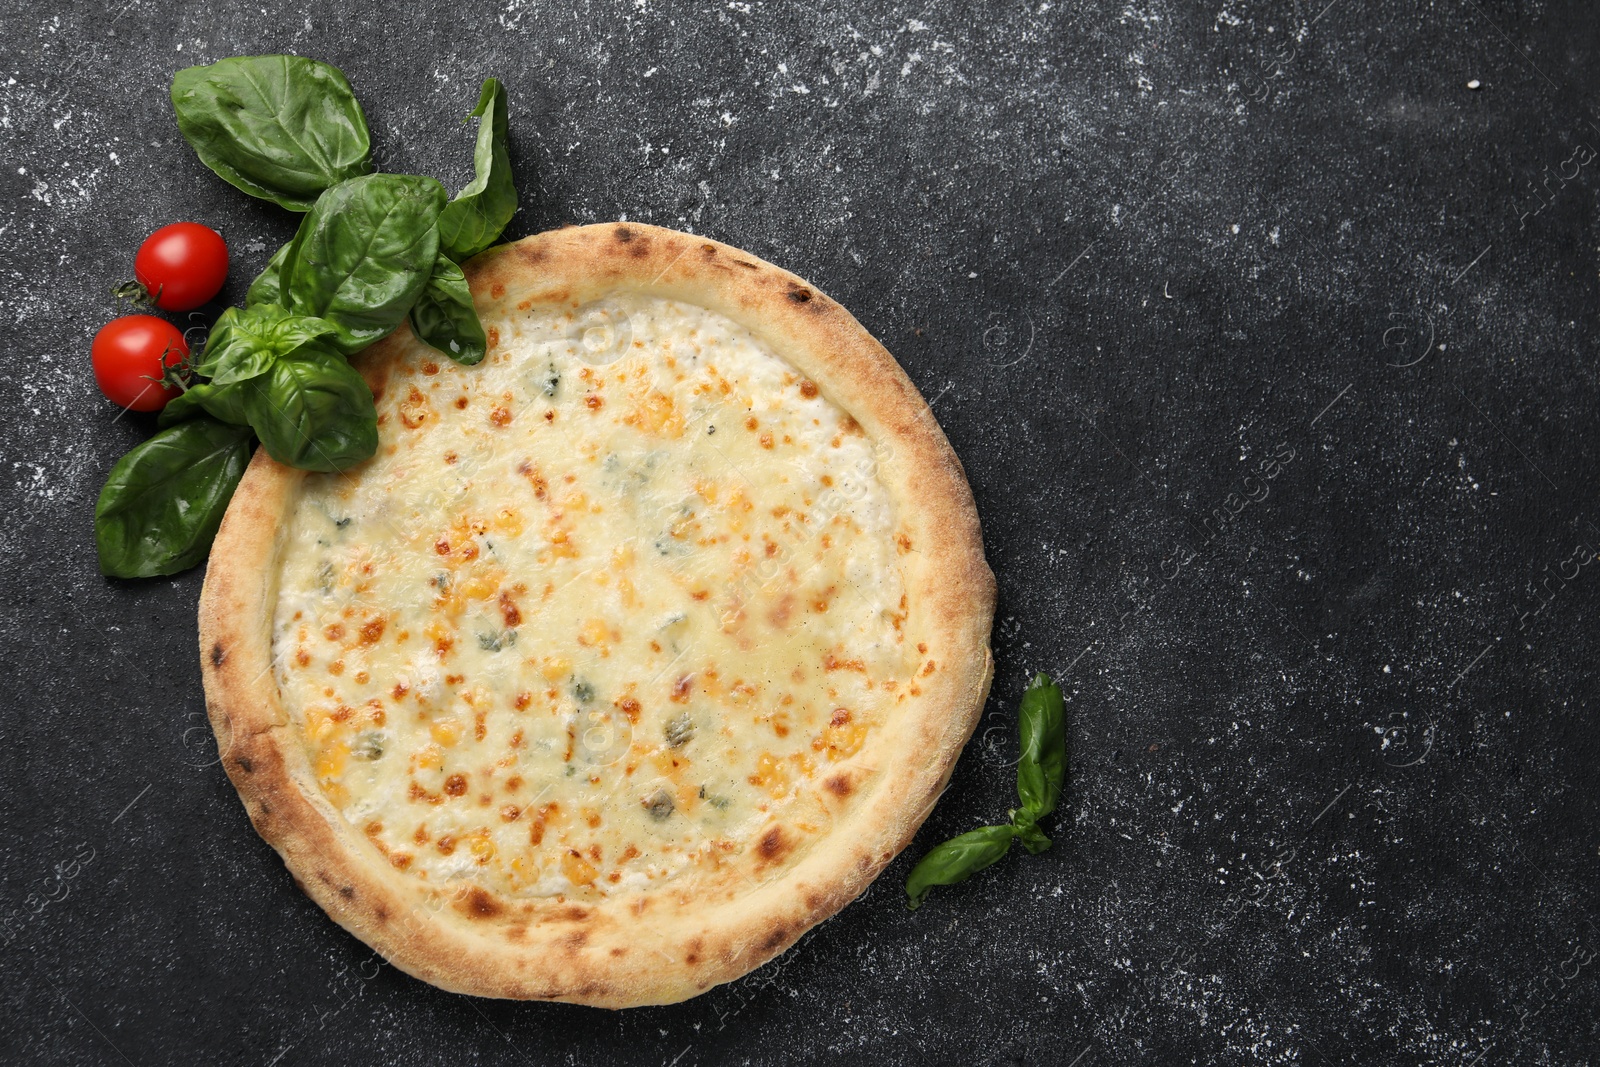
(1266, 332)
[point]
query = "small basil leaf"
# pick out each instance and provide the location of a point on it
(1033, 839)
(282, 128)
(312, 410)
(1043, 767)
(475, 219)
(268, 286)
(363, 254)
(957, 860)
(163, 501)
(225, 402)
(243, 343)
(444, 317)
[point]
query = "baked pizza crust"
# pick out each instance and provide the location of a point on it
(634, 948)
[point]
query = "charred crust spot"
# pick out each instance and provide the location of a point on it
(218, 654)
(799, 294)
(838, 785)
(692, 951)
(772, 846)
(479, 904)
(576, 940)
(348, 892)
(619, 951)
(244, 764)
(747, 265)
(623, 234)
(708, 250)
(776, 938)
(574, 914)
(381, 913)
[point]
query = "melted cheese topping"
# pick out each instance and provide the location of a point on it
(604, 611)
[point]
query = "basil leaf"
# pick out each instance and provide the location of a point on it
(282, 128)
(1043, 767)
(312, 410)
(225, 402)
(243, 344)
(957, 860)
(475, 219)
(444, 317)
(363, 254)
(268, 286)
(163, 501)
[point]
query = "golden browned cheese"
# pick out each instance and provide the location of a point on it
(604, 611)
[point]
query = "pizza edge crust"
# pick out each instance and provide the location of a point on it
(621, 952)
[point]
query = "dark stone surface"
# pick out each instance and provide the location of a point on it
(1333, 796)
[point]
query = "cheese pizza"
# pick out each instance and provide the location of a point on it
(637, 650)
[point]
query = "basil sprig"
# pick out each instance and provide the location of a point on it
(1041, 772)
(372, 251)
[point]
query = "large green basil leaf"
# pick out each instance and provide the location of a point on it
(475, 219)
(313, 411)
(163, 501)
(363, 254)
(957, 860)
(268, 286)
(225, 402)
(282, 128)
(244, 343)
(1041, 721)
(444, 317)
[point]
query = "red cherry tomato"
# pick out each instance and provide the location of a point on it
(182, 266)
(128, 354)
